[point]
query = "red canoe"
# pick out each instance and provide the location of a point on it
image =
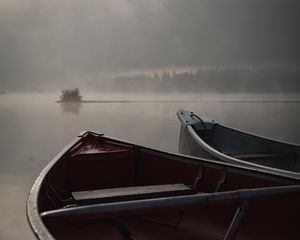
(103, 188)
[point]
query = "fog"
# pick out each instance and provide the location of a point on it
(48, 45)
(190, 49)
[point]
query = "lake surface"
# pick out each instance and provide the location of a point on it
(34, 129)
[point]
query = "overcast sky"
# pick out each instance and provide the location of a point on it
(58, 41)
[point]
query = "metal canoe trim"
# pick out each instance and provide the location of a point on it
(187, 113)
(216, 164)
(188, 118)
(229, 159)
(124, 208)
(33, 215)
(85, 133)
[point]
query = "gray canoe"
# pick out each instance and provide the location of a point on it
(203, 137)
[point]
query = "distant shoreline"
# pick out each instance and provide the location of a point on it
(179, 101)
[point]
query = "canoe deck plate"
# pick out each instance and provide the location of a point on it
(189, 118)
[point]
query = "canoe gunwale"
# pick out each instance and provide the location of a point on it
(229, 159)
(229, 167)
(34, 215)
(109, 209)
(215, 123)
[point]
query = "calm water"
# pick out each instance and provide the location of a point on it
(34, 128)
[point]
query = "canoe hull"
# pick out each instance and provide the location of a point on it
(226, 144)
(188, 146)
(93, 163)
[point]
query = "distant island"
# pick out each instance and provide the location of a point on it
(70, 95)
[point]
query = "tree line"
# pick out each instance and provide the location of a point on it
(265, 80)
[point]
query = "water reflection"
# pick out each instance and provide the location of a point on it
(71, 107)
(34, 129)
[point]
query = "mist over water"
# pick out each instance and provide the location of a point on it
(235, 61)
(34, 129)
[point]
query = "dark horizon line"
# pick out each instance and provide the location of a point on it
(178, 101)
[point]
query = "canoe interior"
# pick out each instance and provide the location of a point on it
(252, 148)
(243, 146)
(97, 162)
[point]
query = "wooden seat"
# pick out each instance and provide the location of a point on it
(130, 193)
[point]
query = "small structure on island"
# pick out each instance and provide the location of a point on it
(70, 95)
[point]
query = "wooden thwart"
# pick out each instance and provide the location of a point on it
(126, 193)
(170, 202)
